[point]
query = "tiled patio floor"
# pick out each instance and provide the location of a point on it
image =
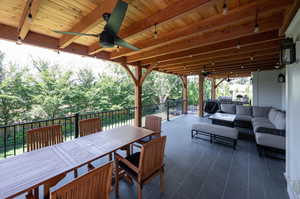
(196, 169)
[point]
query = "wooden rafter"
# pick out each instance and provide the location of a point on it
(174, 10)
(212, 23)
(30, 10)
(289, 16)
(210, 38)
(247, 42)
(222, 58)
(220, 82)
(144, 76)
(88, 22)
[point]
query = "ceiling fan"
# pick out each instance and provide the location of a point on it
(205, 73)
(109, 38)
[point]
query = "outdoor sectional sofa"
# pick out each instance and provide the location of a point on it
(268, 124)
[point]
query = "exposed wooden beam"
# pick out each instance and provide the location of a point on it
(36, 39)
(229, 33)
(223, 57)
(247, 42)
(212, 23)
(88, 22)
(176, 9)
(289, 16)
(234, 60)
(30, 10)
(144, 76)
(220, 82)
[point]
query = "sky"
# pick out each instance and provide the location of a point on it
(23, 54)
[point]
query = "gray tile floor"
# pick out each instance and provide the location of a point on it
(196, 169)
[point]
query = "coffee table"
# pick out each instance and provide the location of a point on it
(223, 119)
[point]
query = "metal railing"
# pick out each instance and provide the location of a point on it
(13, 137)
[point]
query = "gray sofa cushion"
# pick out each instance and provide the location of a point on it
(260, 119)
(279, 121)
(270, 140)
(272, 131)
(272, 114)
(228, 108)
(265, 124)
(260, 111)
(243, 110)
(246, 118)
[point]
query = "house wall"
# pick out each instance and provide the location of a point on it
(266, 89)
(293, 115)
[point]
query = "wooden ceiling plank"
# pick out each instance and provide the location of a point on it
(231, 33)
(211, 23)
(222, 47)
(289, 16)
(175, 10)
(88, 22)
(30, 11)
(223, 56)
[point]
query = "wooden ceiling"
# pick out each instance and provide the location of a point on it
(193, 35)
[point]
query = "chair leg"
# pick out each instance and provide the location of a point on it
(128, 151)
(110, 157)
(139, 191)
(117, 179)
(75, 173)
(29, 195)
(52, 182)
(162, 180)
(90, 166)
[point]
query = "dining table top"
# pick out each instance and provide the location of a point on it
(29, 170)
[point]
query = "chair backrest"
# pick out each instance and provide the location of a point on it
(44, 136)
(89, 126)
(152, 157)
(95, 184)
(153, 123)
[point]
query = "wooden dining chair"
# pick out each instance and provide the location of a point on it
(143, 166)
(152, 123)
(43, 137)
(89, 126)
(96, 184)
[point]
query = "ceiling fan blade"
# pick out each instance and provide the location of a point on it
(121, 42)
(117, 16)
(76, 33)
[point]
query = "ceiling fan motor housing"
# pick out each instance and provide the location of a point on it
(107, 39)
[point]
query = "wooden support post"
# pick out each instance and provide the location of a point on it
(201, 95)
(213, 88)
(185, 94)
(138, 97)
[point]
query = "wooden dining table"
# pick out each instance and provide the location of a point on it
(25, 172)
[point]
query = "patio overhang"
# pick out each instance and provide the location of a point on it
(184, 37)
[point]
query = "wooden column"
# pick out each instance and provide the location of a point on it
(185, 94)
(213, 88)
(138, 97)
(201, 95)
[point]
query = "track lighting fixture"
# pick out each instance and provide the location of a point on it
(225, 8)
(19, 41)
(155, 34)
(256, 27)
(30, 14)
(238, 46)
(118, 48)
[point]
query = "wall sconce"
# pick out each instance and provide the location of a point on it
(288, 51)
(281, 78)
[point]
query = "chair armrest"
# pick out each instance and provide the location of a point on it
(271, 131)
(126, 162)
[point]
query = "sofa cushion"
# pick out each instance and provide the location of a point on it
(269, 140)
(266, 124)
(272, 114)
(243, 110)
(260, 119)
(279, 121)
(228, 108)
(261, 111)
(246, 118)
(280, 132)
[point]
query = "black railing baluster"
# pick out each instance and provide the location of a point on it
(23, 132)
(76, 125)
(4, 142)
(15, 140)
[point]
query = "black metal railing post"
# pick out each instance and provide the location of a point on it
(76, 124)
(168, 111)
